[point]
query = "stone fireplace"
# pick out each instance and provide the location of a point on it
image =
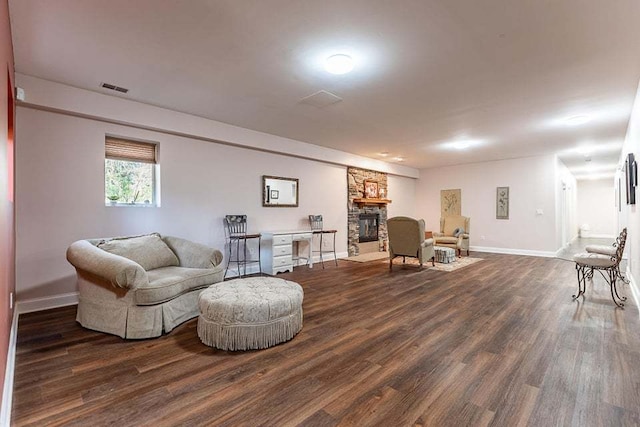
(365, 228)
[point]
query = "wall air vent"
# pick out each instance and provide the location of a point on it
(114, 87)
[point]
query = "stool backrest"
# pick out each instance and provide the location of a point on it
(236, 225)
(315, 221)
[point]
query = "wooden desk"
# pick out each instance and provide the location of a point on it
(281, 250)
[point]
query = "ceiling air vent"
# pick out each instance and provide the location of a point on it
(114, 87)
(321, 99)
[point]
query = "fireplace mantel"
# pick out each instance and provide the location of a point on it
(377, 202)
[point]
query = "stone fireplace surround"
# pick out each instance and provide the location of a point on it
(355, 182)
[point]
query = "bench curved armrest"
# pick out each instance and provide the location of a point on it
(464, 236)
(438, 234)
(194, 255)
(119, 271)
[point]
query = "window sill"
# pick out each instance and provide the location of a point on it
(131, 205)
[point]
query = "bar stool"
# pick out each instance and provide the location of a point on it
(315, 221)
(236, 228)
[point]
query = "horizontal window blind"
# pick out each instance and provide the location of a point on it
(133, 151)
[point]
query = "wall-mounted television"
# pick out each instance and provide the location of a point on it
(631, 172)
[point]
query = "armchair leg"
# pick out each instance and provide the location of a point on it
(390, 264)
(433, 261)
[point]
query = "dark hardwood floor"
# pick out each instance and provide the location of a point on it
(497, 343)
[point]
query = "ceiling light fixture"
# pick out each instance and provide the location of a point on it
(462, 144)
(577, 120)
(339, 64)
(399, 159)
(384, 153)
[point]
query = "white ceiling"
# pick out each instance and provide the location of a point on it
(504, 72)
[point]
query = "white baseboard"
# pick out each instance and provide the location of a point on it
(635, 291)
(46, 303)
(602, 236)
(7, 392)
(525, 252)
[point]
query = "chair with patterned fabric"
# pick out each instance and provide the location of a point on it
(454, 233)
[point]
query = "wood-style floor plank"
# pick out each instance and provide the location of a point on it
(499, 342)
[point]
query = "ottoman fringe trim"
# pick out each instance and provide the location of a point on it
(249, 336)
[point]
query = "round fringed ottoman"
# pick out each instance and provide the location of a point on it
(250, 314)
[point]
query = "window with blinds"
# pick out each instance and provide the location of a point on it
(133, 151)
(130, 172)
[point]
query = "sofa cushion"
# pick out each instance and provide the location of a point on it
(167, 283)
(451, 223)
(149, 251)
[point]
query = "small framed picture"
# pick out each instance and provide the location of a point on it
(275, 194)
(371, 190)
(502, 203)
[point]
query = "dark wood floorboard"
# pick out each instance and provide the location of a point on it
(499, 343)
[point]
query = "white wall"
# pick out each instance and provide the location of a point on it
(630, 216)
(60, 183)
(596, 206)
(402, 192)
(566, 202)
(531, 183)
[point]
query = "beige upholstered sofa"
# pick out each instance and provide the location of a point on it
(406, 239)
(447, 227)
(139, 286)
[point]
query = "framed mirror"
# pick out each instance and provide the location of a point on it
(278, 192)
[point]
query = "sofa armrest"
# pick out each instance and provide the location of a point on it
(437, 234)
(115, 269)
(193, 255)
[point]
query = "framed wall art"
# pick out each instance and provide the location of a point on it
(502, 203)
(371, 189)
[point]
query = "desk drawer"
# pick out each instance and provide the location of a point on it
(284, 239)
(282, 250)
(282, 261)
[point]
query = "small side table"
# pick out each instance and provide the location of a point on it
(428, 234)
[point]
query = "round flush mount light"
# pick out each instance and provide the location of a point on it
(339, 64)
(577, 120)
(462, 144)
(399, 159)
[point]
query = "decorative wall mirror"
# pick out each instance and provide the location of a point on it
(278, 192)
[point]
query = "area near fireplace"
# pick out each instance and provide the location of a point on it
(367, 223)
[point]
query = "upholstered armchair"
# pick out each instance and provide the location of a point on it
(448, 225)
(406, 239)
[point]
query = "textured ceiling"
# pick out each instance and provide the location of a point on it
(503, 73)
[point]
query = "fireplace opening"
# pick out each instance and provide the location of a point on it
(368, 227)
